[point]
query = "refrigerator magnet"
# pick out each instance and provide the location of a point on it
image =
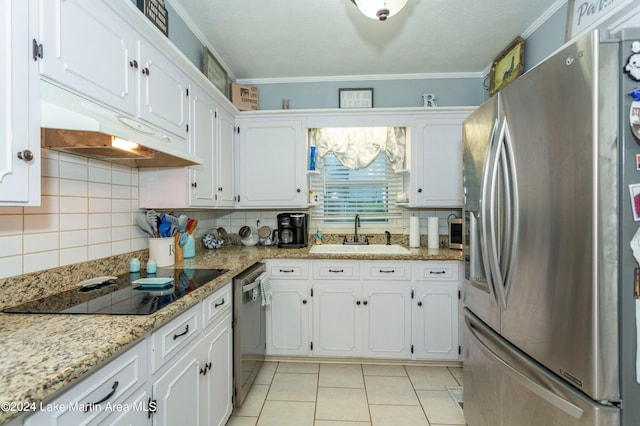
(633, 63)
(634, 190)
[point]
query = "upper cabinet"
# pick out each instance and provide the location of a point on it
(210, 184)
(91, 50)
(20, 110)
(271, 163)
(94, 52)
(436, 160)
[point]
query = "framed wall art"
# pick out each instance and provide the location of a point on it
(214, 72)
(507, 66)
(355, 98)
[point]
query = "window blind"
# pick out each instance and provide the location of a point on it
(340, 193)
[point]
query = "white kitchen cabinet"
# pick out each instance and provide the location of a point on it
(337, 323)
(99, 394)
(436, 160)
(177, 391)
(271, 163)
(162, 92)
(91, 50)
(288, 317)
(435, 311)
(217, 346)
(207, 185)
(20, 109)
(354, 317)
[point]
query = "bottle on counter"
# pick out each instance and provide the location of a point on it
(134, 265)
(152, 266)
(319, 236)
(189, 249)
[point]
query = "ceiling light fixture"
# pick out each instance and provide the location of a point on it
(379, 9)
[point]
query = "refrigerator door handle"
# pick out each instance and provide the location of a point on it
(485, 212)
(490, 194)
(538, 389)
(511, 203)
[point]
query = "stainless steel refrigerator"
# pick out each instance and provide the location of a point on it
(546, 232)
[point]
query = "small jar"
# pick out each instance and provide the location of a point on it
(134, 265)
(151, 266)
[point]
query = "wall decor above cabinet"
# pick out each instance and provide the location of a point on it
(156, 12)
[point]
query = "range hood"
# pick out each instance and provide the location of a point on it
(70, 123)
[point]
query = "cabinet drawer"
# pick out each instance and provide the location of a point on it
(337, 270)
(175, 336)
(85, 402)
(387, 271)
(288, 270)
(216, 304)
(437, 271)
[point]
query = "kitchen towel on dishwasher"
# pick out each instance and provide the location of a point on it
(265, 288)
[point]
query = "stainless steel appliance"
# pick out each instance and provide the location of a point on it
(543, 316)
(118, 296)
(249, 331)
(293, 230)
(455, 233)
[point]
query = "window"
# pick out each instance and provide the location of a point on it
(341, 193)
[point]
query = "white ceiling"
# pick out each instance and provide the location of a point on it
(298, 40)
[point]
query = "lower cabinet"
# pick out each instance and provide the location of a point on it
(364, 309)
(188, 381)
(362, 320)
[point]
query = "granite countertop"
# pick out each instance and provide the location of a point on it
(42, 355)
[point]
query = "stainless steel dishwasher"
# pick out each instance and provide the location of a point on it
(249, 332)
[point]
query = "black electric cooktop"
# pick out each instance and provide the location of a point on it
(119, 296)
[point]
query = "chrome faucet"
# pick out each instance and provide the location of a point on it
(356, 225)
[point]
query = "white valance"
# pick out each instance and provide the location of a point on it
(358, 147)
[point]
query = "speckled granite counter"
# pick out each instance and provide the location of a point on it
(40, 355)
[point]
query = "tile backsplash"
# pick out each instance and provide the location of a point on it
(88, 212)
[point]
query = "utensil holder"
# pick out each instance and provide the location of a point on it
(179, 252)
(163, 250)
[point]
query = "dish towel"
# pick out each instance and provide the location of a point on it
(265, 288)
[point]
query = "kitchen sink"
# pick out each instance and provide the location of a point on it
(359, 249)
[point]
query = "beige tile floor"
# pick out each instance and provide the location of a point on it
(330, 394)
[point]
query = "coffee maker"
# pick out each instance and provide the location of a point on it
(293, 230)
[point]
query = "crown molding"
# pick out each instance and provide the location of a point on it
(371, 77)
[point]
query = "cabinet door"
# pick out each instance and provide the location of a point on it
(437, 164)
(386, 325)
(162, 92)
(336, 323)
(218, 377)
(90, 49)
(203, 136)
(289, 318)
(177, 392)
(225, 165)
(271, 164)
(20, 109)
(435, 321)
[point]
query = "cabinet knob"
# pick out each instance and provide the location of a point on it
(419, 303)
(26, 155)
(358, 302)
(298, 190)
(194, 185)
(365, 303)
(419, 189)
(145, 71)
(133, 64)
(304, 302)
(220, 188)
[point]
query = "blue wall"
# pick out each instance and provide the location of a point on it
(387, 93)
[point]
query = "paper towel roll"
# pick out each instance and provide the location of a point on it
(433, 239)
(414, 231)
